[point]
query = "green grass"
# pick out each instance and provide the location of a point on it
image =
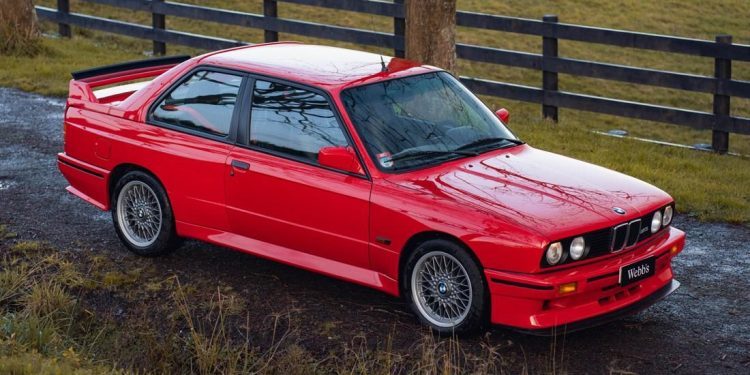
(705, 185)
(49, 72)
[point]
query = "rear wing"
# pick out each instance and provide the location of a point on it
(118, 76)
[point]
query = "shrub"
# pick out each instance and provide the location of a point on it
(18, 28)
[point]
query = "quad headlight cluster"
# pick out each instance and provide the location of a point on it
(577, 248)
(556, 252)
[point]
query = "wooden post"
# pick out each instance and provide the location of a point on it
(270, 9)
(549, 79)
(431, 32)
(722, 71)
(63, 7)
(159, 22)
(399, 29)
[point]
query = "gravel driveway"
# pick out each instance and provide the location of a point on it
(703, 328)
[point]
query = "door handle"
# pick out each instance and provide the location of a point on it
(241, 165)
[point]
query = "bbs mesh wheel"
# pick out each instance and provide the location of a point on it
(142, 215)
(445, 288)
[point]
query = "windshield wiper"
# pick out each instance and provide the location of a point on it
(489, 141)
(415, 154)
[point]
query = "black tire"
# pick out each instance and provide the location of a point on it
(166, 239)
(476, 317)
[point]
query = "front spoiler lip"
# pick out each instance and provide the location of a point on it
(595, 321)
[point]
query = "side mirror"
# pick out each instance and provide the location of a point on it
(340, 157)
(503, 115)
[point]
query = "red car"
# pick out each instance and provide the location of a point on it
(374, 170)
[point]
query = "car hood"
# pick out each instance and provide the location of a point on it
(552, 195)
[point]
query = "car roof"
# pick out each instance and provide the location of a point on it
(315, 65)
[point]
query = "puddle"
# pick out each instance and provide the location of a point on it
(6, 184)
(51, 101)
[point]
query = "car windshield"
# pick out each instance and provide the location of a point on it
(423, 120)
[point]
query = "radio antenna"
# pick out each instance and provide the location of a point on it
(383, 68)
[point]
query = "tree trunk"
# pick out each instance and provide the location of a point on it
(431, 32)
(18, 27)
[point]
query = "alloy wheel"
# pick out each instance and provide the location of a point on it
(441, 288)
(139, 213)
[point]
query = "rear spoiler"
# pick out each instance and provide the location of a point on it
(131, 65)
(84, 81)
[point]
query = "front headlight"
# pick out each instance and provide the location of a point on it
(577, 248)
(554, 253)
(667, 218)
(656, 222)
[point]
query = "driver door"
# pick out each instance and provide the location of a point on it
(276, 191)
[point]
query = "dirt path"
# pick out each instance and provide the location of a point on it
(703, 328)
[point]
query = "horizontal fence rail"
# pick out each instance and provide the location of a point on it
(614, 72)
(722, 52)
(598, 35)
(624, 108)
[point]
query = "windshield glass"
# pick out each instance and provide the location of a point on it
(423, 120)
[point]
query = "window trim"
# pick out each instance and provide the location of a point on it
(245, 123)
(231, 136)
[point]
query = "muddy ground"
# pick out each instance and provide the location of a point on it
(704, 327)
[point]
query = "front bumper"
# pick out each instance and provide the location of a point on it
(608, 317)
(533, 303)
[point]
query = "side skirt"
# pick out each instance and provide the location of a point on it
(291, 257)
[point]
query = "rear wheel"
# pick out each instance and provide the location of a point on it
(142, 215)
(445, 288)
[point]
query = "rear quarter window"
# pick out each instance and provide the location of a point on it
(204, 102)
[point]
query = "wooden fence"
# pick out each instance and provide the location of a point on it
(722, 51)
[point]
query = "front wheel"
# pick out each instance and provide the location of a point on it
(445, 288)
(142, 215)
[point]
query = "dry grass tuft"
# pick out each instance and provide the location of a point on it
(66, 272)
(116, 279)
(19, 34)
(5, 233)
(48, 299)
(29, 246)
(32, 363)
(209, 340)
(12, 280)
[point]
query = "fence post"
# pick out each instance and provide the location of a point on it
(722, 71)
(549, 79)
(159, 22)
(270, 9)
(399, 29)
(63, 7)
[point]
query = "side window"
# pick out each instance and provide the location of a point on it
(205, 102)
(293, 121)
